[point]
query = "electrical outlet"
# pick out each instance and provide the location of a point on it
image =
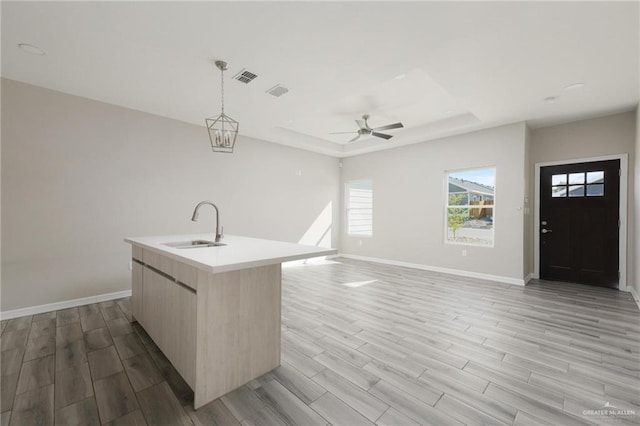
(464, 252)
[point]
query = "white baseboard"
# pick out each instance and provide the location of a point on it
(528, 278)
(635, 295)
(33, 310)
(469, 274)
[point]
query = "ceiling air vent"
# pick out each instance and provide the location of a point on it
(245, 76)
(277, 90)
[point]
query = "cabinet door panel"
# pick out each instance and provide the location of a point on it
(169, 317)
(136, 290)
(152, 291)
(179, 329)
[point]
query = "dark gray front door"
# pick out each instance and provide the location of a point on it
(579, 219)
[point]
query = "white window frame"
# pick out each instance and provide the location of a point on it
(347, 192)
(447, 206)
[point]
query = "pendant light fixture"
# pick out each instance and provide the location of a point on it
(223, 129)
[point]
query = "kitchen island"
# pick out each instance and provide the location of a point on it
(214, 311)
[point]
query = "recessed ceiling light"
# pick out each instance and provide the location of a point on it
(551, 98)
(574, 86)
(400, 76)
(31, 49)
(450, 111)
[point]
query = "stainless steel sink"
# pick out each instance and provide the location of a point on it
(193, 244)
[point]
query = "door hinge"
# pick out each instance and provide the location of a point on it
(619, 172)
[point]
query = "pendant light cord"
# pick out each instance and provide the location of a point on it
(222, 88)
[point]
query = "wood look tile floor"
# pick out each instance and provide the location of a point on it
(362, 344)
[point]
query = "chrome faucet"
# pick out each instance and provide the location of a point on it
(219, 230)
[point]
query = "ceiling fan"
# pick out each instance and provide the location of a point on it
(364, 129)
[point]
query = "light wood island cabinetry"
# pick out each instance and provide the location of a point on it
(216, 316)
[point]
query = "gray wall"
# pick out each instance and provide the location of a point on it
(409, 195)
(614, 134)
(528, 210)
(635, 261)
(79, 175)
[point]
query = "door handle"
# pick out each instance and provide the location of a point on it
(544, 231)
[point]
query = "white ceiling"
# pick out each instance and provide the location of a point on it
(466, 65)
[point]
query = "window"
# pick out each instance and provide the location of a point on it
(589, 184)
(359, 200)
(470, 206)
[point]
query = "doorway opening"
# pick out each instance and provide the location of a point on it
(580, 224)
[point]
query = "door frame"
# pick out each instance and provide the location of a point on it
(622, 230)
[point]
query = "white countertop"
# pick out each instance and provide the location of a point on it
(238, 253)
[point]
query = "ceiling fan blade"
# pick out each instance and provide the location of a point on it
(340, 133)
(361, 124)
(381, 135)
(390, 126)
(354, 139)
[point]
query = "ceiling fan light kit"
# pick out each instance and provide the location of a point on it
(365, 129)
(223, 130)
